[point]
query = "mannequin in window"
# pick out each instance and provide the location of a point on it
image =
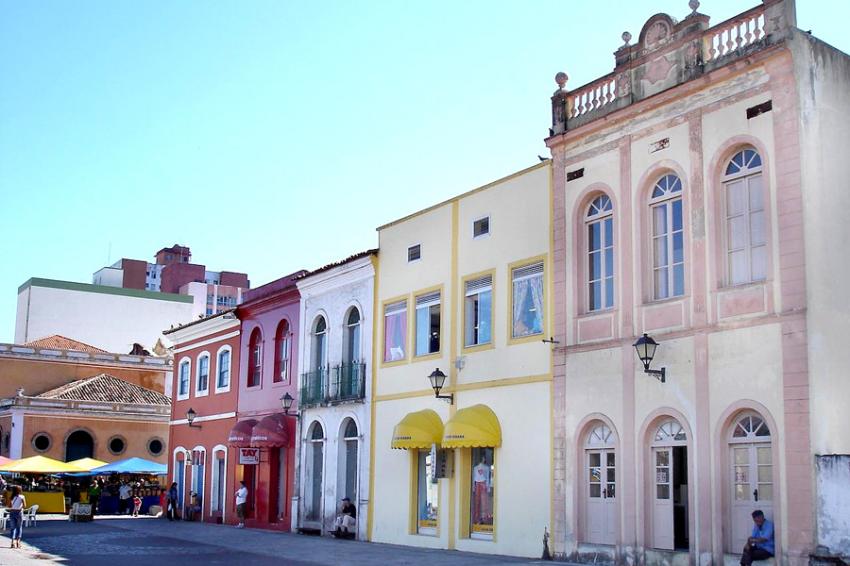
(482, 489)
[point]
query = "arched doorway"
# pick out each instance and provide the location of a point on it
(79, 444)
(600, 463)
(670, 490)
(347, 462)
(315, 466)
(751, 474)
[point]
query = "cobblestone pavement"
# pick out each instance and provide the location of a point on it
(151, 542)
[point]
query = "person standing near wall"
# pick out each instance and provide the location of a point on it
(241, 503)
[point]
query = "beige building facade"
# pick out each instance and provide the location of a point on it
(463, 291)
(695, 201)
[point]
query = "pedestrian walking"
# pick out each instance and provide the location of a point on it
(94, 496)
(137, 504)
(172, 503)
(16, 516)
(241, 503)
(125, 499)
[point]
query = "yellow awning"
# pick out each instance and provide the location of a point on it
(40, 465)
(88, 464)
(418, 430)
(474, 426)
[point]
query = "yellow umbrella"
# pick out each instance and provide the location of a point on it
(87, 464)
(40, 465)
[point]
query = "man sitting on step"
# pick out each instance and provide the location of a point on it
(760, 544)
(346, 521)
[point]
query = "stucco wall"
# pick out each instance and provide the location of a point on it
(833, 477)
(332, 294)
(511, 377)
(726, 349)
(824, 94)
(112, 322)
(135, 433)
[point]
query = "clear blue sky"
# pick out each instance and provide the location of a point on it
(273, 136)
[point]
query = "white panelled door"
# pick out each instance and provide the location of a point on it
(601, 487)
(662, 509)
(751, 463)
(669, 437)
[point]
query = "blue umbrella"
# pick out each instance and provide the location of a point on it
(132, 466)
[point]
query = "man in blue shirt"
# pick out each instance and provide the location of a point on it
(760, 544)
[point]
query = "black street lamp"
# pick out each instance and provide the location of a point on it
(645, 347)
(438, 380)
(190, 416)
(286, 402)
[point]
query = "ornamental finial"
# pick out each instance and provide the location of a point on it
(561, 78)
(627, 37)
(693, 5)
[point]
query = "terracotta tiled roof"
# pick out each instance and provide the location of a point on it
(198, 321)
(338, 263)
(106, 388)
(62, 343)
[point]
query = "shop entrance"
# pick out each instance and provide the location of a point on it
(249, 476)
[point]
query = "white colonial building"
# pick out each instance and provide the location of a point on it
(334, 391)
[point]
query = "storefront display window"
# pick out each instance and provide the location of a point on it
(481, 500)
(428, 511)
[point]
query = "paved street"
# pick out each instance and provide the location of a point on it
(128, 542)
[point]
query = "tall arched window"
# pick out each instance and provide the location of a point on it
(746, 231)
(255, 358)
(281, 352)
(348, 481)
(183, 378)
(668, 246)
(218, 495)
(320, 344)
(222, 382)
(202, 380)
(349, 381)
(352, 336)
(600, 253)
(315, 463)
(199, 462)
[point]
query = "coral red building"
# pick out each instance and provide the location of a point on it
(204, 392)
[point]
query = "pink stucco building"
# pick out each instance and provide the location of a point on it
(264, 437)
(699, 197)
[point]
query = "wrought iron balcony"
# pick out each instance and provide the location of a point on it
(313, 390)
(349, 382)
(325, 386)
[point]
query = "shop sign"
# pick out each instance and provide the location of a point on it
(249, 456)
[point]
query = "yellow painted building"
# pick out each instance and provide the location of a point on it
(465, 287)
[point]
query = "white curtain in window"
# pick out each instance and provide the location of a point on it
(535, 284)
(528, 302)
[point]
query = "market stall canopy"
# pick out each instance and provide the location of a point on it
(473, 427)
(4, 460)
(421, 429)
(39, 465)
(132, 466)
(270, 432)
(240, 435)
(88, 463)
